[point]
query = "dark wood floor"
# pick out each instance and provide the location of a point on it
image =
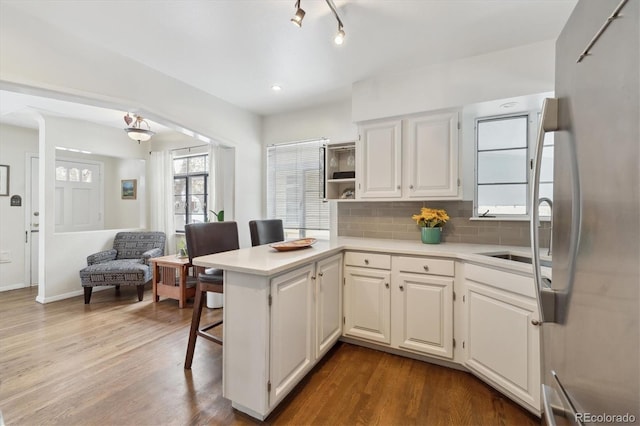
(120, 362)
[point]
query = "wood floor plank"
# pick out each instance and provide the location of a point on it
(118, 361)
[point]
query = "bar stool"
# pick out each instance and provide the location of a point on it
(266, 231)
(203, 239)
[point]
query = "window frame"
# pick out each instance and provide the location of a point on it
(531, 120)
(186, 177)
(305, 231)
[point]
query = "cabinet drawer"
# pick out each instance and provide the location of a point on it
(367, 260)
(421, 265)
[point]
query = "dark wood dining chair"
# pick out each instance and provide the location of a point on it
(266, 231)
(203, 239)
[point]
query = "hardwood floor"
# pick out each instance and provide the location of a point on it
(118, 361)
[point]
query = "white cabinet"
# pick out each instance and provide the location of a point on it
(328, 303)
(340, 166)
(291, 331)
(422, 305)
(413, 158)
(431, 156)
(379, 159)
(367, 296)
(503, 338)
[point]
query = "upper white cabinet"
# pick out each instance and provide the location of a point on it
(412, 158)
(431, 156)
(379, 172)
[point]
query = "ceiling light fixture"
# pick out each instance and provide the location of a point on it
(339, 39)
(134, 130)
(297, 20)
(276, 88)
(299, 16)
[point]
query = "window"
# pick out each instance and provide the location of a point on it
(295, 189)
(502, 167)
(190, 191)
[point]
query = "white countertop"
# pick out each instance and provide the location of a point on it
(266, 261)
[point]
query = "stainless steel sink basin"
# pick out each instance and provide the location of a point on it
(519, 258)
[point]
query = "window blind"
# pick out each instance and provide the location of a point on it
(295, 185)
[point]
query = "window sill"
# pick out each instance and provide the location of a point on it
(509, 219)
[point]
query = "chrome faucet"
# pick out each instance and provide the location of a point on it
(548, 201)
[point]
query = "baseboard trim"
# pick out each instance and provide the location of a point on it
(68, 295)
(12, 287)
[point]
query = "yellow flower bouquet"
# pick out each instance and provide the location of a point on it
(431, 218)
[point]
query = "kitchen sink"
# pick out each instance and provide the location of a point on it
(518, 258)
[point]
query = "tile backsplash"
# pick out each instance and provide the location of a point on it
(392, 220)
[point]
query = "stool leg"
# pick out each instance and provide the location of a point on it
(195, 324)
(87, 295)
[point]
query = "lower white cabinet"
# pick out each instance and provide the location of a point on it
(503, 339)
(306, 320)
(422, 306)
(291, 330)
(276, 329)
(328, 303)
(367, 304)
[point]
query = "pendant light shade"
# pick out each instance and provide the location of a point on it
(135, 131)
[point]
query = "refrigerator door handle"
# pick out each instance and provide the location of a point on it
(548, 123)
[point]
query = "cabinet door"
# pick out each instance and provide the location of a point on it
(422, 318)
(502, 344)
(291, 334)
(328, 303)
(380, 156)
(367, 304)
(431, 160)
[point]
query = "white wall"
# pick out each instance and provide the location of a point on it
(513, 72)
(331, 121)
(62, 255)
(15, 143)
(75, 70)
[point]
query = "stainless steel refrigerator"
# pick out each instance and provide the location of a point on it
(590, 307)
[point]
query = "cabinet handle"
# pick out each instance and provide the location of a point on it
(426, 268)
(386, 285)
(398, 187)
(410, 186)
(319, 274)
(401, 288)
(536, 322)
(366, 261)
(313, 277)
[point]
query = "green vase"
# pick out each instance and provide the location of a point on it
(431, 235)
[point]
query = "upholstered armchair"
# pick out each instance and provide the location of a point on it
(127, 263)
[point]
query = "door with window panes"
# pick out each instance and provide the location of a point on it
(190, 190)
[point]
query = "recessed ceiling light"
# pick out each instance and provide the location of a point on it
(276, 88)
(508, 105)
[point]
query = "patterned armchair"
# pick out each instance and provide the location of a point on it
(127, 263)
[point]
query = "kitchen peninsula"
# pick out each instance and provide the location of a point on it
(284, 311)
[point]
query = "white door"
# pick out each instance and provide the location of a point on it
(380, 157)
(367, 304)
(431, 160)
(291, 330)
(328, 303)
(423, 314)
(78, 200)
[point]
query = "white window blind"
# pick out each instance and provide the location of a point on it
(295, 186)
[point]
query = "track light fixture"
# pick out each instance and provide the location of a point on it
(297, 20)
(134, 130)
(299, 16)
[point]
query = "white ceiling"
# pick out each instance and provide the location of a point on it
(237, 49)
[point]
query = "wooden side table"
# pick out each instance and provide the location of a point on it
(170, 278)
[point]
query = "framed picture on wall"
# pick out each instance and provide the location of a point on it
(129, 189)
(4, 180)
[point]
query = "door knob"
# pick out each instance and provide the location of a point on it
(401, 288)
